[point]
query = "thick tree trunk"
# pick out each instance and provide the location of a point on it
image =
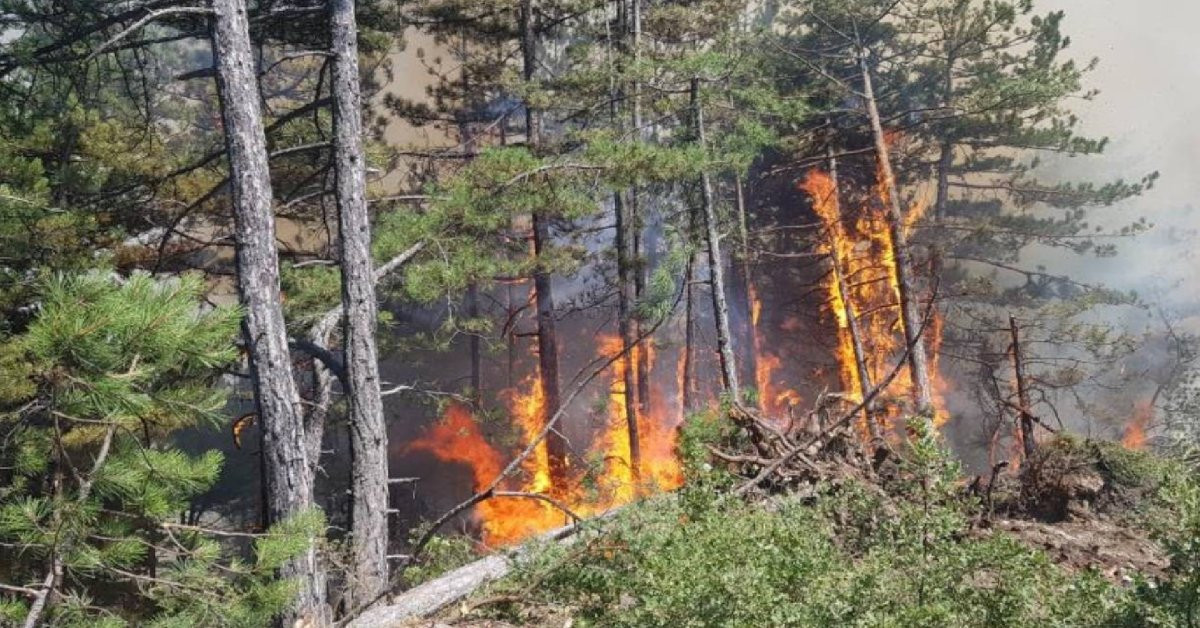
(910, 316)
(289, 483)
(556, 446)
(1028, 445)
(368, 432)
(729, 375)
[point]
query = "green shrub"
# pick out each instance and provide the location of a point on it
(853, 558)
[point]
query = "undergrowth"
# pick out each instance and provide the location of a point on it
(852, 556)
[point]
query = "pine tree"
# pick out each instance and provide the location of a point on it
(95, 388)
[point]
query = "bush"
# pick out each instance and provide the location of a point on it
(852, 557)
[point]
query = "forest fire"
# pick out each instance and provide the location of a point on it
(1135, 433)
(862, 291)
(774, 398)
(457, 438)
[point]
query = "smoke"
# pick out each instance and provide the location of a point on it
(1148, 106)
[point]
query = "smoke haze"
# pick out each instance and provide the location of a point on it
(1149, 104)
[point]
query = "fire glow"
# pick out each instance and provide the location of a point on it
(602, 478)
(863, 297)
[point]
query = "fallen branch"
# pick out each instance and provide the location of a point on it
(796, 451)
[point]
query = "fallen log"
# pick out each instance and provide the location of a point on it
(431, 597)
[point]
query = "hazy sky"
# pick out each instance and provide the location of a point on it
(1149, 107)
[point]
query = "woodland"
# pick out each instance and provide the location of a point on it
(577, 312)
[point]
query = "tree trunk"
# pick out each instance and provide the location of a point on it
(687, 375)
(476, 346)
(744, 287)
(910, 316)
(860, 359)
(289, 484)
(556, 446)
(1028, 445)
(625, 325)
(633, 394)
(729, 375)
(636, 221)
(368, 431)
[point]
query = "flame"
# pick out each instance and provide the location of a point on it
(457, 438)
(528, 409)
(656, 433)
(869, 291)
(774, 397)
(1135, 433)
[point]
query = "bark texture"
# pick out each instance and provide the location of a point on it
(626, 328)
(918, 360)
(729, 375)
(368, 431)
(286, 461)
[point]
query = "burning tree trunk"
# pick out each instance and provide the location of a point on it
(635, 215)
(852, 326)
(543, 287)
(288, 481)
(1025, 416)
(910, 317)
(625, 324)
(729, 376)
(368, 431)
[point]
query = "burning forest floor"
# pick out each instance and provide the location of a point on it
(799, 526)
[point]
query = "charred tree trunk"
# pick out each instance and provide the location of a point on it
(368, 431)
(856, 340)
(688, 368)
(289, 483)
(1025, 416)
(729, 375)
(910, 316)
(476, 346)
(543, 286)
(687, 376)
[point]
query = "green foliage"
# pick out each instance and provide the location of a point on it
(94, 390)
(852, 555)
(699, 432)
(440, 555)
(1175, 601)
(716, 562)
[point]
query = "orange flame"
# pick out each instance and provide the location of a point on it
(774, 397)
(457, 438)
(1135, 432)
(869, 291)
